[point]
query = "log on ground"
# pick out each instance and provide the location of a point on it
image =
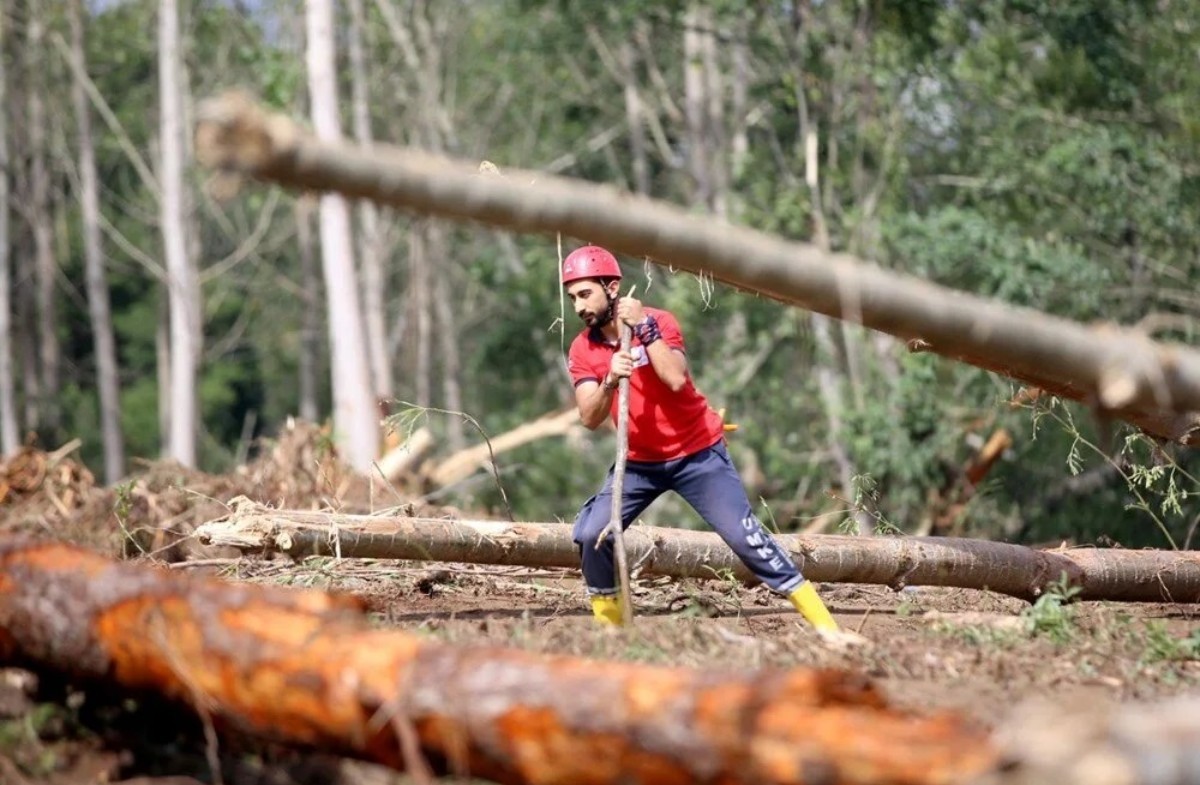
(1015, 570)
(305, 667)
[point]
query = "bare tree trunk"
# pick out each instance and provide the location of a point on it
(1015, 570)
(182, 280)
(739, 139)
(714, 100)
(42, 223)
(10, 437)
(634, 118)
(696, 107)
(356, 421)
(830, 379)
(162, 366)
(447, 335)
(481, 713)
(107, 381)
(1122, 372)
(310, 328)
(370, 245)
(421, 294)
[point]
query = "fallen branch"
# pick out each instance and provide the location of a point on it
(1123, 372)
(1100, 574)
(306, 668)
(463, 463)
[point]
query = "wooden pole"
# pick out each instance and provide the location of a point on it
(615, 523)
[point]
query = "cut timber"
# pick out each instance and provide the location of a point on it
(306, 668)
(1154, 386)
(1100, 574)
(463, 463)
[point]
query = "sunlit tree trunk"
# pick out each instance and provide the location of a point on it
(310, 327)
(49, 352)
(9, 436)
(370, 245)
(97, 282)
(356, 423)
(182, 281)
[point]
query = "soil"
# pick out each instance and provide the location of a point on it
(971, 652)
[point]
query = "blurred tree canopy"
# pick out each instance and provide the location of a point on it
(1041, 153)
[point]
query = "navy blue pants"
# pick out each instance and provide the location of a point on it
(708, 481)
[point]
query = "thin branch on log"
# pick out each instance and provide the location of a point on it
(306, 668)
(1015, 570)
(1154, 386)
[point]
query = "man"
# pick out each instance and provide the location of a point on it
(676, 440)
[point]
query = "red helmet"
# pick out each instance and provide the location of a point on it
(590, 261)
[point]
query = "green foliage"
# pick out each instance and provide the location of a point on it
(1052, 614)
(1041, 153)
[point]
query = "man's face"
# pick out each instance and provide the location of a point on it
(591, 301)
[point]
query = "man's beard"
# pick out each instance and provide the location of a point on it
(597, 321)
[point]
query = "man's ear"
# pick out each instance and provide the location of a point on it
(613, 287)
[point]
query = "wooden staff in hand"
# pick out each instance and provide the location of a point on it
(615, 526)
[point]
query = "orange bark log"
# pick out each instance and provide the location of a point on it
(305, 667)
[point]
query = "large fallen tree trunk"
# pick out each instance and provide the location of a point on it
(1154, 386)
(306, 668)
(1099, 574)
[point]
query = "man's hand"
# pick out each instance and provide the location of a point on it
(620, 368)
(630, 310)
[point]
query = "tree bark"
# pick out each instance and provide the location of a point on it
(447, 333)
(356, 422)
(107, 382)
(1155, 386)
(42, 224)
(10, 437)
(370, 244)
(634, 112)
(306, 668)
(310, 326)
(1015, 570)
(182, 281)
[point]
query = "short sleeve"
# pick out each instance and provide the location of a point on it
(578, 366)
(668, 327)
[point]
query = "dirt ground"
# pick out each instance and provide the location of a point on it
(972, 652)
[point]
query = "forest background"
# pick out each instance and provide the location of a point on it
(1040, 153)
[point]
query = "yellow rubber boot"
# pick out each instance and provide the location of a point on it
(607, 610)
(811, 608)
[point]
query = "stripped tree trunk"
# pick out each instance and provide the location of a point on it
(97, 280)
(310, 318)
(307, 668)
(1015, 570)
(182, 281)
(10, 437)
(1125, 373)
(46, 264)
(370, 246)
(634, 112)
(355, 414)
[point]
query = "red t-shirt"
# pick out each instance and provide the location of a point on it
(663, 425)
